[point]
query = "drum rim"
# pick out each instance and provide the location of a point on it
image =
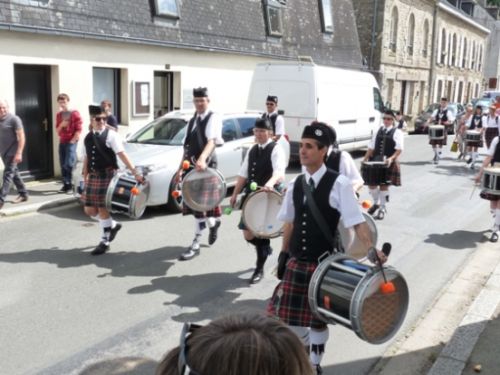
(144, 188)
(357, 303)
(213, 172)
(131, 212)
(259, 235)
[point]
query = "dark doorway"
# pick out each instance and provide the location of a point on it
(163, 93)
(32, 93)
(403, 96)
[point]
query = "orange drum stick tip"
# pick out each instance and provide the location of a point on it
(134, 191)
(366, 203)
(387, 288)
(176, 194)
(185, 164)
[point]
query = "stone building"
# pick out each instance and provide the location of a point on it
(421, 50)
(146, 56)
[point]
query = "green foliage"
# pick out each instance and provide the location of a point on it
(494, 2)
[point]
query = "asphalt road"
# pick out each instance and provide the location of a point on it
(62, 309)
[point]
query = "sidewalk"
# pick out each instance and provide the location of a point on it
(42, 195)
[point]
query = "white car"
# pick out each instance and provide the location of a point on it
(157, 148)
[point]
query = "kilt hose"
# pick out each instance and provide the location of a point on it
(96, 188)
(489, 134)
(289, 302)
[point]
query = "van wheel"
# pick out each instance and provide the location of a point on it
(174, 204)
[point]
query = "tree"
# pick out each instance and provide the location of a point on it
(494, 2)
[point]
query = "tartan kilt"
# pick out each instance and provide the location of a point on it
(394, 174)
(289, 302)
(440, 142)
(489, 197)
(207, 194)
(474, 144)
(96, 188)
(489, 134)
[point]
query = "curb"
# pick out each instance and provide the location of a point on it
(34, 207)
(455, 354)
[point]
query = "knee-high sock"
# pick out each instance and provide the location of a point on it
(105, 225)
(318, 341)
(375, 195)
(383, 197)
(497, 219)
(302, 333)
(199, 226)
(440, 151)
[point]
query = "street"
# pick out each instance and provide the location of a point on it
(62, 309)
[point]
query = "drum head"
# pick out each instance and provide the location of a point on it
(352, 245)
(259, 214)
(119, 197)
(139, 202)
(376, 316)
(203, 190)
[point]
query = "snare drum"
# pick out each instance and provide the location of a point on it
(119, 198)
(259, 214)
(203, 190)
(351, 244)
(436, 132)
(490, 182)
(472, 136)
(374, 172)
(347, 292)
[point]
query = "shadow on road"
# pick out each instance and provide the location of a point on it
(453, 170)
(458, 240)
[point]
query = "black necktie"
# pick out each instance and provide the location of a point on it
(259, 151)
(311, 184)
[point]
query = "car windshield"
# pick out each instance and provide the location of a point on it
(431, 108)
(162, 131)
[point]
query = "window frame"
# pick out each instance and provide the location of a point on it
(411, 34)
(116, 88)
(327, 29)
(164, 13)
(273, 5)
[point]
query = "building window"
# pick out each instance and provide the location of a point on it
(473, 60)
(480, 59)
(394, 30)
(464, 54)
(425, 42)
(167, 8)
(411, 34)
(272, 13)
(106, 85)
(325, 8)
(442, 57)
(454, 51)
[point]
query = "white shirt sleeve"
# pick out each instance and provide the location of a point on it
(287, 211)
(371, 145)
(214, 129)
(433, 116)
(115, 141)
(493, 146)
(348, 168)
(449, 116)
(343, 199)
(280, 125)
(244, 166)
(278, 160)
(399, 139)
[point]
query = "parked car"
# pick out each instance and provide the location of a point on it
(157, 149)
(420, 122)
(491, 94)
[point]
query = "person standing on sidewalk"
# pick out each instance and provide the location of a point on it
(69, 128)
(12, 141)
(102, 146)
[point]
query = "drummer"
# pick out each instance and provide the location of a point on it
(102, 146)
(264, 165)
(491, 123)
(474, 123)
(304, 242)
(441, 116)
(492, 157)
(203, 134)
(386, 145)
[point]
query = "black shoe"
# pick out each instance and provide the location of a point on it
(381, 213)
(319, 370)
(66, 188)
(372, 209)
(1, 205)
(212, 235)
(100, 249)
(469, 160)
(21, 198)
(494, 237)
(189, 254)
(257, 276)
(114, 231)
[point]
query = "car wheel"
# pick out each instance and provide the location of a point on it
(174, 204)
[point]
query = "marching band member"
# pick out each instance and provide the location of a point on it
(385, 145)
(271, 114)
(304, 242)
(474, 123)
(492, 157)
(462, 128)
(441, 116)
(203, 134)
(264, 165)
(102, 146)
(491, 123)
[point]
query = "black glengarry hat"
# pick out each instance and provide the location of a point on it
(319, 133)
(261, 123)
(272, 98)
(200, 92)
(95, 110)
(388, 112)
(330, 131)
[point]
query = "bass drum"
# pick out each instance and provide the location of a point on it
(120, 199)
(344, 291)
(259, 214)
(203, 190)
(349, 241)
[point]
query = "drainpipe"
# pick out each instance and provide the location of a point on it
(434, 50)
(374, 30)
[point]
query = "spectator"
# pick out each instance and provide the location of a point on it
(400, 121)
(12, 142)
(111, 119)
(69, 128)
(237, 345)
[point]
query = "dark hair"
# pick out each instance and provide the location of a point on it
(106, 102)
(241, 344)
(63, 97)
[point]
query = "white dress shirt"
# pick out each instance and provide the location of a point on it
(491, 122)
(113, 141)
(278, 160)
(449, 115)
(493, 147)
(341, 198)
(213, 129)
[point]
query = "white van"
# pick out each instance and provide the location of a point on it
(348, 100)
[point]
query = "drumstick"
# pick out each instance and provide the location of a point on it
(473, 190)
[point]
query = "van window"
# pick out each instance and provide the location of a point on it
(378, 104)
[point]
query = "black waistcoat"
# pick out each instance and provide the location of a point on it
(441, 116)
(384, 143)
(333, 160)
(271, 118)
(307, 242)
(99, 158)
(260, 167)
(496, 155)
(196, 140)
(475, 119)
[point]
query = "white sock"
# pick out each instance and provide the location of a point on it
(199, 227)
(435, 151)
(113, 223)
(96, 217)
(440, 151)
(497, 218)
(211, 221)
(383, 197)
(318, 341)
(105, 225)
(375, 195)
